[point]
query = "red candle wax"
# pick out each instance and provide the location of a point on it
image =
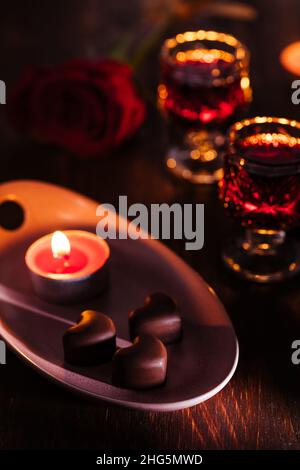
(86, 254)
(76, 261)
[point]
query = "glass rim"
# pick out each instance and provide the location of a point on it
(266, 168)
(241, 52)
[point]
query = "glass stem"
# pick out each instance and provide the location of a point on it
(263, 242)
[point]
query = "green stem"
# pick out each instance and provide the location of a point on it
(150, 43)
(120, 52)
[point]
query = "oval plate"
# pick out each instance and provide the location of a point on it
(199, 366)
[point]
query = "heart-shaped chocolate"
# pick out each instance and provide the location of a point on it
(159, 317)
(142, 365)
(91, 341)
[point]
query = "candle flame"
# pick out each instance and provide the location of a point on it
(60, 245)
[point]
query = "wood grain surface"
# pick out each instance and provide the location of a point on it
(260, 408)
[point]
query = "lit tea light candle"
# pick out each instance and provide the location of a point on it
(69, 266)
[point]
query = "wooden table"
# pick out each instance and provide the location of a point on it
(260, 408)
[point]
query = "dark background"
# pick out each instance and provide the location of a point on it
(260, 408)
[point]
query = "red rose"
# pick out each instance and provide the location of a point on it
(84, 106)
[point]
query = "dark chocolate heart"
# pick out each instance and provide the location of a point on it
(91, 341)
(142, 365)
(159, 317)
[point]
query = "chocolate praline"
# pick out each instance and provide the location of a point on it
(142, 365)
(159, 316)
(91, 341)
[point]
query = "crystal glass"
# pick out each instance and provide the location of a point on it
(261, 190)
(204, 85)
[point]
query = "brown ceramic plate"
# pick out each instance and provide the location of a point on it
(199, 366)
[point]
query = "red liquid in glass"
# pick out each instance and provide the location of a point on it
(188, 91)
(261, 186)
